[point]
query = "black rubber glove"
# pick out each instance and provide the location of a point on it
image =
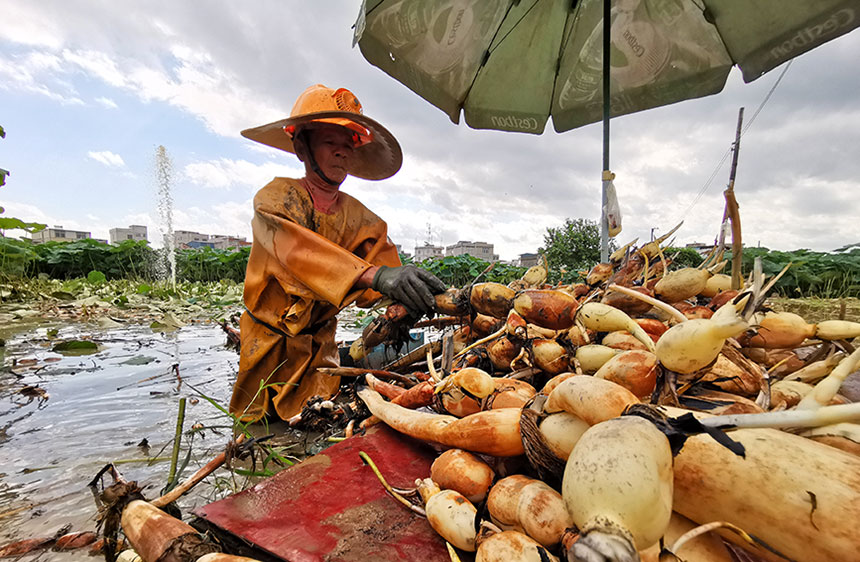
(412, 286)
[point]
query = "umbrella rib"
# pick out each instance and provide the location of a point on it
(378, 4)
(486, 56)
(493, 40)
(514, 26)
(562, 46)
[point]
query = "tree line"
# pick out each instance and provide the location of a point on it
(571, 249)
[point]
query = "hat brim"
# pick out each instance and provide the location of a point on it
(376, 160)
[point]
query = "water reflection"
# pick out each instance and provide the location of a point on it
(99, 409)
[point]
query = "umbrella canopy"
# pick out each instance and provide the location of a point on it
(511, 64)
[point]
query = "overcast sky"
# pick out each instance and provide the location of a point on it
(89, 90)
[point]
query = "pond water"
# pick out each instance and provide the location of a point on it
(99, 408)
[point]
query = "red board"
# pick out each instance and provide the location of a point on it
(331, 507)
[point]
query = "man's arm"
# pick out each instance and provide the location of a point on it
(365, 280)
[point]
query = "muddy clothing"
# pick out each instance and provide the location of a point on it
(301, 272)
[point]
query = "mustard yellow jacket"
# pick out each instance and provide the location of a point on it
(301, 272)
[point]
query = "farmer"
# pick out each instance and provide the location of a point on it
(316, 250)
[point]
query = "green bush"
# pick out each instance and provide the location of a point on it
(572, 247)
(812, 274)
(128, 260)
(207, 264)
(66, 260)
(17, 257)
(683, 257)
(826, 275)
(458, 271)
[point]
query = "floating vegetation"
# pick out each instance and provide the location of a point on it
(115, 302)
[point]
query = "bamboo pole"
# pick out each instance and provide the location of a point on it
(359, 372)
(734, 213)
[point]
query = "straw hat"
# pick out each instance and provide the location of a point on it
(377, 153)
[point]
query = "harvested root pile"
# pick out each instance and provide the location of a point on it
(662, 415)
(642, 415)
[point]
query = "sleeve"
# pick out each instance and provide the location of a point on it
(379, 252)
(327, 270)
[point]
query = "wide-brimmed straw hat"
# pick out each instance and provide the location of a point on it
(377, 153)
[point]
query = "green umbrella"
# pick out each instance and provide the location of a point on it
(511, 64)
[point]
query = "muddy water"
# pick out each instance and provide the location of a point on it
(99, 408)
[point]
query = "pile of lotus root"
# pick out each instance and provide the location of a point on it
(644, 414)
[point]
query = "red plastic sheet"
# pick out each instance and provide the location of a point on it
(331, 507)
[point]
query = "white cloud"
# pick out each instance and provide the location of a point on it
(207, 91)
(34, 214)
(25, 211)
(191, 81)
(97, 64)
(229, 71)
(26, 24)
(225, 173)
(107, 158)
(107, 102)
(234, 218)
(33, 73)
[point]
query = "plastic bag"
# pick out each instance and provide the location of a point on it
(612, 211)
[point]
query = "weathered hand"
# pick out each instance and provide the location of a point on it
(410, 285)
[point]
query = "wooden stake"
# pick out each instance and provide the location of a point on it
(177, 440)
(205, 471)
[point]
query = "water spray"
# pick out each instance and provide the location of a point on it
(164, 178)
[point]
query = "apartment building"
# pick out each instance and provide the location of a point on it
(221, 242)
(59, 234)
(191, 239)
(428, 251)
(480, 250)
(528, 260)
(186, 237)
(133, 232)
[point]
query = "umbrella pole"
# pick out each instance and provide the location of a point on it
(607, 175)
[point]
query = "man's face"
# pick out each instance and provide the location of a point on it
(332, 148)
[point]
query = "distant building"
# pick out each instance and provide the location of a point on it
(195, 244)
(191, 239)
(184, 237)
(475, 249)
(401, 252)
(222, 242)
(700, 247)
(59, 234)
(528, 260)
(428, 251)
(133, 232)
